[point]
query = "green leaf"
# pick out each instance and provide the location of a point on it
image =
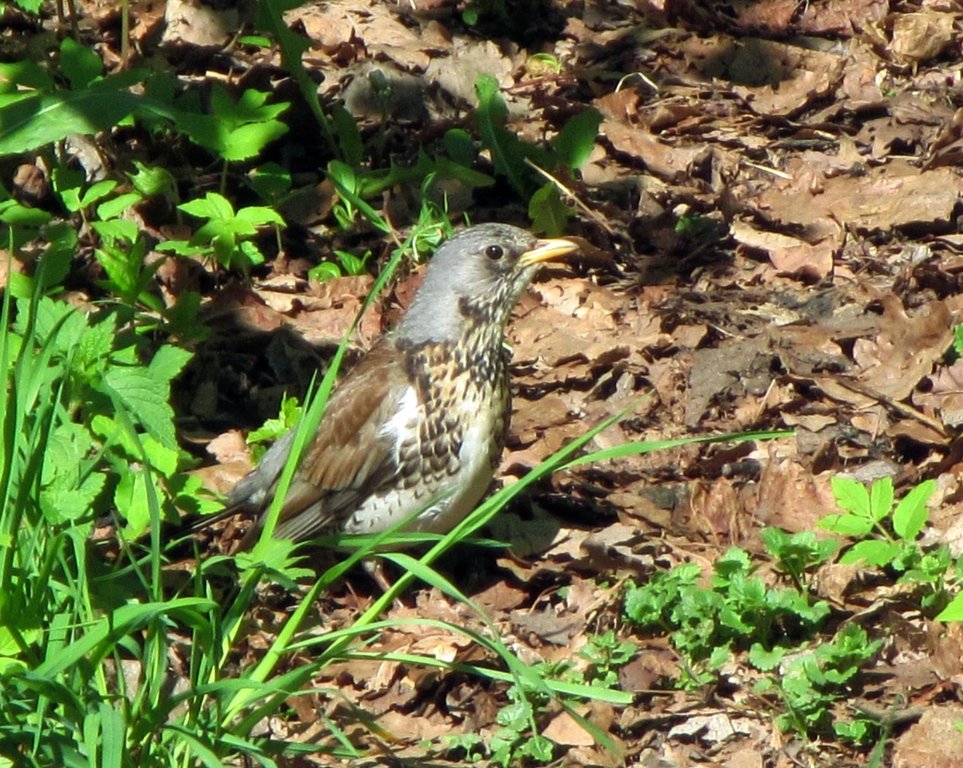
(132, 501)
(459, 146)
(851, 495)
(576, 140)
(211, 206)
(97, 191)
(953, 611)
(152, 180)
(11, 212)
(168, 362)
(145, 396)
(846, 525)
(763, 659)
(80, 64)
(326, 270)
(68, 183)
(259, 215)
(271, 181)
(44, 118)
(875, 552)
(237, 130)
(69, 505)
(247, 141)
(881, 498)
(27, 74)
(118, 205)
(547, 211)
(911, 513)
(349, 136)
(507, 151)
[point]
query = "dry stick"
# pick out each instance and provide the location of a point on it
(568, 192)
(897, 406)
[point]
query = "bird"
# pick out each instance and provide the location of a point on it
(419, 423)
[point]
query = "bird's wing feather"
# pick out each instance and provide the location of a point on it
(352, 453)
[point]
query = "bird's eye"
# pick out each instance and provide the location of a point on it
(494, 252)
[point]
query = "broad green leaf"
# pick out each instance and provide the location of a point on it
(97, 191)
(26, 74)
(211, 206)
(547, 211)
(459, 146)
(115, 207)
(247, 141)
(132, 501)
(851, 495)
(881, 498)
(875, 552)
(117, 231)
(168, 362)
(44, 118)
(68, 184)
(270, 181)
(846, 525)
(145, 396)
(911, 513)
(80, 64)
(574, 143)
(259, 215)
(11, 212)
(953, 611)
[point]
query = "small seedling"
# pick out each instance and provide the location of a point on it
(227, 235)
(709, 622)
(797, 553)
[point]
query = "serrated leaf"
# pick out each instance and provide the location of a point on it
(247, 141)
(133, 502)
(145, 396)
(114, 231)
(911, 513)
(61, 506)
(168, 362)
(763, 659)
(211, 206)
(881, 498)
(851, 495)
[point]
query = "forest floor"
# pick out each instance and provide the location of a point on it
(771, 242)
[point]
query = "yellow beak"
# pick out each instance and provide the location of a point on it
(545, 250)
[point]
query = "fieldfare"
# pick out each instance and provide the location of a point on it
(419, 423)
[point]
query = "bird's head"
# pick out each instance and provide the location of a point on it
(477, 276)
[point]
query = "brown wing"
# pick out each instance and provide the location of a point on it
(350, 456)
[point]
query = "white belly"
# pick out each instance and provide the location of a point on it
(447, 504)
